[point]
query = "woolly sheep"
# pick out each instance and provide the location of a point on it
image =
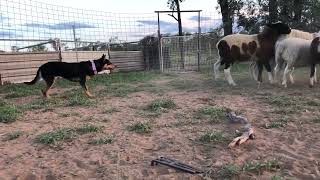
(296, 52)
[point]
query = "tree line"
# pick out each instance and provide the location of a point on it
(252, 14)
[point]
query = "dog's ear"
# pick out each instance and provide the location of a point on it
(103, 56)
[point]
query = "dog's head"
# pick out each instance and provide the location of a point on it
(106, 64)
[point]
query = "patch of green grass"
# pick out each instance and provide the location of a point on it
(65, 134)
(316, 120)
(313, 103)
(104, 140)
(281, 101)
(124, 77)
(20, 90)
(277, 124)
(275, 177)
(53, 137)
(161, 104)
(119, 90)
(229, 171)
(210, 137)
(141, 128)
(43, 104)
(8, 113)
(68, 114)
(258, 167)
(183, 84)
(13, 135)
(79, 99)
(148, 114)
(88, 128)
(214, 114)
(111, 110)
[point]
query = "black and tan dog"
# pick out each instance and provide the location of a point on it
(78, 72)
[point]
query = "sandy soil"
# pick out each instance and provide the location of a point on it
(296, 146)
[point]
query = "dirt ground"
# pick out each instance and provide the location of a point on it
(286, 122)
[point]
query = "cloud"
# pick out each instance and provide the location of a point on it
(8, 34)
(154, 23)
(202, 18)
(3, 18)
(60, 26)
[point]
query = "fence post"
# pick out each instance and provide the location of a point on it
(1, 83)
(58, 44)
(109, 57)
(75, 41)
(199, 47)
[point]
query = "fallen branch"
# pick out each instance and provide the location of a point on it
(248, 132)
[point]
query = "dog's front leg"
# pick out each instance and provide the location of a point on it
(84, 86)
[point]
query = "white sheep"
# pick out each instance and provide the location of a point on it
(295, 34)
(296, 52)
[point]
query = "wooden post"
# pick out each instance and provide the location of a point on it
(1, 83)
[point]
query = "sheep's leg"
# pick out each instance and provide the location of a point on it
(315, 74)
(270, 76)
(278, 66)
(312, 73)
(291, 75)
(276, 71)
(260, 68)
(228, 74)
(216, 68)
(253, 70)
(285, 75)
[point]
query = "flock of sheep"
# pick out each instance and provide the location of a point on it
(277, 44)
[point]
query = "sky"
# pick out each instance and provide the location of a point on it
(96, 20)
(133, 6)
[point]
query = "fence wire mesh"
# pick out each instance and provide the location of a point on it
(33, 26)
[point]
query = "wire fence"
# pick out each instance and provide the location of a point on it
(32, 26)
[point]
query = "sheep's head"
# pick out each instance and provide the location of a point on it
(315, 48)
(278, 28)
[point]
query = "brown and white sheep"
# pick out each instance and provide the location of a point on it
(259, 48)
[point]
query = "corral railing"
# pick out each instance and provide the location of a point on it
(22, 66)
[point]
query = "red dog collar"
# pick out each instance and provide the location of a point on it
(94, 67)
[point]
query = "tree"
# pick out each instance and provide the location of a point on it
(273, 11)
(228, 9)
(174, 5)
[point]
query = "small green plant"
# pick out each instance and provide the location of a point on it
(53, 137)
(212, 137)
(149, 114)
(111, 110)
(277, 124)
(215, 114)
(141, 128)
(161, 104)
(13, 135)
(275, 177)
(104, 140)
(229, 171)
(88, 128)
(65, 134)
(316, 120)
(258, 167)
(8, 113)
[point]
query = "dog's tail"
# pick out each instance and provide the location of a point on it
(36, 79)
